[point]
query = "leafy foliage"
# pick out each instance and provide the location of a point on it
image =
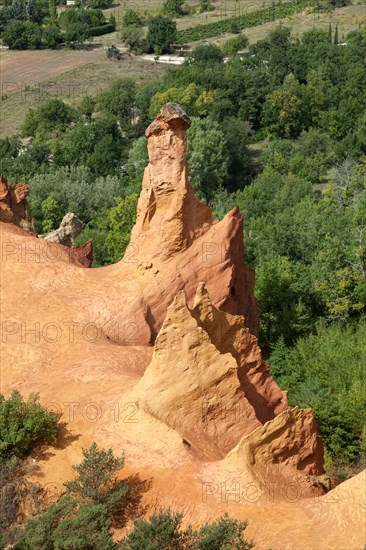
(232, 46)
(162, 33)
(65, 527)
(22, 35)
(24, 424)
(208, 156)
(54, 115)
(97, 482)
(314, 372)
(121, 221)
(131, 19)
(173, 7)
(163, 531)
(74, 189)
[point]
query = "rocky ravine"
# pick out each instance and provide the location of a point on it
(157, 356)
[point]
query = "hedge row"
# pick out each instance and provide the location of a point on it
(264, 15)
(103, 29)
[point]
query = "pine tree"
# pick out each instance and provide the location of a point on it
(97, 481)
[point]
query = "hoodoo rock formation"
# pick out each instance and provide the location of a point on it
(14, 206)
(157, 356)
(70, 228)
(175, 236)
(207, 378)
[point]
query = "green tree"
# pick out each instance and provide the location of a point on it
(51, 37)
(87, 106)
(24, 424)
(97, 482)
(98, 146)
(208, 157)
(121, 221)
(187, 97)
(207, 54)
(313, 372)
(173, 8)
(138, 159)
(132, 36)
(162, 33)
(99, 4)
(119, 101)
(232, 46)
(282, 113)
(75, 189)
(131, 19)
(19, 35)
(64, 526)
(51, 214)
(52, 116)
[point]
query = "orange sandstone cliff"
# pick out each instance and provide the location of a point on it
(157, 356)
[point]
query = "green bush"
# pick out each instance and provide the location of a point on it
(232, 46)
(102, 29)
(96, 482)
(51, 37)
(54, 115)
(163, 531)
(64, 526)
(131, 19)
(173, 8)
(19, 35)
(326, 371)
(24, 424)
(161, 35)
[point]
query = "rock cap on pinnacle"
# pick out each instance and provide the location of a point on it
(171, 116)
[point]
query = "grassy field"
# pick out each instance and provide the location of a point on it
(29, 78)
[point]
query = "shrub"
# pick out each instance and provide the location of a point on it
(314, 373)
(23, 425)
(97, 481)
(207, 54)
(19, 35)
(102, 29)
(132, 36)
(114, 53)
(234, 45)
(163, 530)
(64, 526)
(49, 117)
(131, 19)
(121, 220)
(52, 37)
(173, 7)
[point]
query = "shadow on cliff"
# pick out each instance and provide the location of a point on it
(133, 507)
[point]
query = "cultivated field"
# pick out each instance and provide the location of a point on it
(347, 19)
(222, 9)
(29, 78)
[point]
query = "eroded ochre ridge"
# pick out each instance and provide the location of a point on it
(157, 356)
